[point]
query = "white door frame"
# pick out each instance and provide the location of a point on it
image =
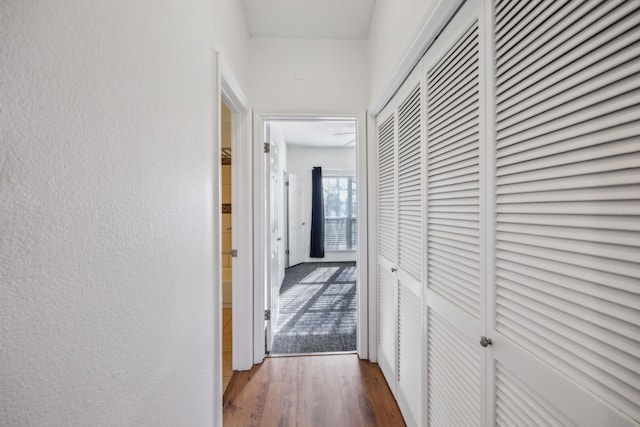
(363, 287)
(241, 219)
(216, 243)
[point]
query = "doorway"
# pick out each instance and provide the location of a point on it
(311, 291)
(227, 230)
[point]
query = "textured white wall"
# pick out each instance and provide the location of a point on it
(334, 75)
(300, 161)
(231, 39)
(394, 25)
(106, 278)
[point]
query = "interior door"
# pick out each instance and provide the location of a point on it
(565, 307)
(387, 285)
(455, 274)
(274, 239)
(410, 248)
(296, 224)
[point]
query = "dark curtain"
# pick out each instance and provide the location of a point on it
(317, 214)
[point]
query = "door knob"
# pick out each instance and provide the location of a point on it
(393, 269)
(279, 238)
(303, 223)
(484, 341)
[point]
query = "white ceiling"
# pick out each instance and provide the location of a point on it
(328, 19)
(328, 133)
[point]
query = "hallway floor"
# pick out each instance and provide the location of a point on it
(323, 390)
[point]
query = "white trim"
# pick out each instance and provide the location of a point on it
(425, 247)
(241, 219)
(372, 235)
(433, 23)
(231, 92)
(487, 159)
(216, 225)
(259, 225)
(259, 240)
(362, 242)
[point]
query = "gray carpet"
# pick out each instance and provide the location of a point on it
(317, 309)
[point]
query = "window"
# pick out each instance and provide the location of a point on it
(339, 213)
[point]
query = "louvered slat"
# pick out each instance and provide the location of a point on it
(387, 320)
(453, 174)
(454, 375)
(517, 405)
(410, 349)
(568, 199)
(386, 189)
(409, 186)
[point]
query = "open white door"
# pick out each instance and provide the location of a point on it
(261, 240)
(274, 238)
(296, 224)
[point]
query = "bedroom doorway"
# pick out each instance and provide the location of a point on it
(312, 287)
(226, 232)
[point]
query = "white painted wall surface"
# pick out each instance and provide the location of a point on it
(333, 76)
(301, 161)
(394, 26)
(106, 171)
(231, 39)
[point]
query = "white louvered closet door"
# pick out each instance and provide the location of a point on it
(387, 288)
(455, 287)
(410, 249)
(566, 314)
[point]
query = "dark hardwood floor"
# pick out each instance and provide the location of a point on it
(311, 391)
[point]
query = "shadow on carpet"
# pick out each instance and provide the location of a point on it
(317, 309)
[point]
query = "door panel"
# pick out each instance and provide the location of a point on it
(387, 323)
(567, 172)
(386, 279)
(410, 248)
(455, 360)
(454, 365)
(296, 254)
(274, 264)
(410, 350)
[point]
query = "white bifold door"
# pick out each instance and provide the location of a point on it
(400, 247)
(565, 296)
(453, 77)
(509, 219)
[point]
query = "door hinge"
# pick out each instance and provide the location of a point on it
(234, 253)
(286, 252)
(267, 315)
(286, 183)
(267, 147)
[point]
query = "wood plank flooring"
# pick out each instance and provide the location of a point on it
(311, 391)
(227, 351)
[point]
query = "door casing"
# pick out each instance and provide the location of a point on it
(260, 226)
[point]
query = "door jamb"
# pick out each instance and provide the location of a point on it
(242, 238)
(366, 312)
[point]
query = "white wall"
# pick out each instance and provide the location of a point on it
(231, 39)
(301, 161)
(394, 25)
(334, 76)
(106, 278)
